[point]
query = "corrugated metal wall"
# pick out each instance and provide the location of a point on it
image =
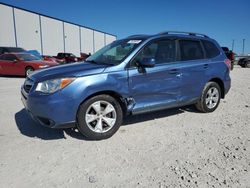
(47, 35)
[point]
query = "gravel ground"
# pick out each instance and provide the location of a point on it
(171, 148)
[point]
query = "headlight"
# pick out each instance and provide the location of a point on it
(51, 86)
(43, 66)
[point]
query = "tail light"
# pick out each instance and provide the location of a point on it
(228, 63)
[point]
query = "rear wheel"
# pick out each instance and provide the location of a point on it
(28, 71)
(99, 117)
(232, 65)
(247, 64)
(210, 97)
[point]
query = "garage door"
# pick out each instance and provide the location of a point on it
(52, 36)
(109, 38)
(7, 32)
(87, 40)
(99, 40)
(72, 39)
(28, 30)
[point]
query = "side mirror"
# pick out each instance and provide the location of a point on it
(147, 62)
(15, 61)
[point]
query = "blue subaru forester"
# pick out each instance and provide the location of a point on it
(138, 74)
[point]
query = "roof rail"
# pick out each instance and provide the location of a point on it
(138, 35)
(181, 32)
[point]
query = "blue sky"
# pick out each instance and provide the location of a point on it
(223, 20)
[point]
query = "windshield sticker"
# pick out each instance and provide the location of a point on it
(134, 41)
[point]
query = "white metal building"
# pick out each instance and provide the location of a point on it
(33, 31)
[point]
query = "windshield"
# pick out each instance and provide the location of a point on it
(115, 52)
(27, 57)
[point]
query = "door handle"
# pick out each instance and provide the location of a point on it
(205, 66)
(173, 71)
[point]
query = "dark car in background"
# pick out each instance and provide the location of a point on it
(21, 64)
(67, 57)
(4, 50)
(244, 61)
(230, 55)
(52, 59)
(84, 56)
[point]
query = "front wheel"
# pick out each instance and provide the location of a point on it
(210, 97)
(28, 71)
(99, 117)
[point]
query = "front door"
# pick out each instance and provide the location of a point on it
(157, 87)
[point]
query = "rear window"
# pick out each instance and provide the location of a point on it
(190, 50)
(211, 49)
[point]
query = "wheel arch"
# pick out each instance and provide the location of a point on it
(29, 66)
(121, 100)
(221, 84)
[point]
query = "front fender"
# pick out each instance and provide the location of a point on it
(83, 87)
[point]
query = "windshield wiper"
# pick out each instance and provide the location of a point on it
(92, 61)
(100, 63)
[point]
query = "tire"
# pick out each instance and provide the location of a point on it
(96, 124)
(28, 71)
(211, 92)
(247, 64)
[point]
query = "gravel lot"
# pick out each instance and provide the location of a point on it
(171, 148)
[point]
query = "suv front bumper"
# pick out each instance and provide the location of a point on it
(49, 112)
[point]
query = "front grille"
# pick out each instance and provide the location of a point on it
(28, 84)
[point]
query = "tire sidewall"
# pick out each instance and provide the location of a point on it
(247, 65)
(26, 70)
(82, 125)
(208, 86)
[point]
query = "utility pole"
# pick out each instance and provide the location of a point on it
(243, 47)
(233, 45)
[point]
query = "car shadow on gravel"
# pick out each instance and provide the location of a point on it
(28, 127)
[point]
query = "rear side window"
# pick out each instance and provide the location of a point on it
(211, 49)
(190, 50)
(8, 57)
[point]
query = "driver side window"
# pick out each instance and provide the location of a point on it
(163, 51)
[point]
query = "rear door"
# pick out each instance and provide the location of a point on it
(194, 66)
(157, 87)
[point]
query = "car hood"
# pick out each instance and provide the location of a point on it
(68, 70)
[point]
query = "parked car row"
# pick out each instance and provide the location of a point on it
(20, 62)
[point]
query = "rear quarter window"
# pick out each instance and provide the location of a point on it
(211, 49)
(190, 50)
